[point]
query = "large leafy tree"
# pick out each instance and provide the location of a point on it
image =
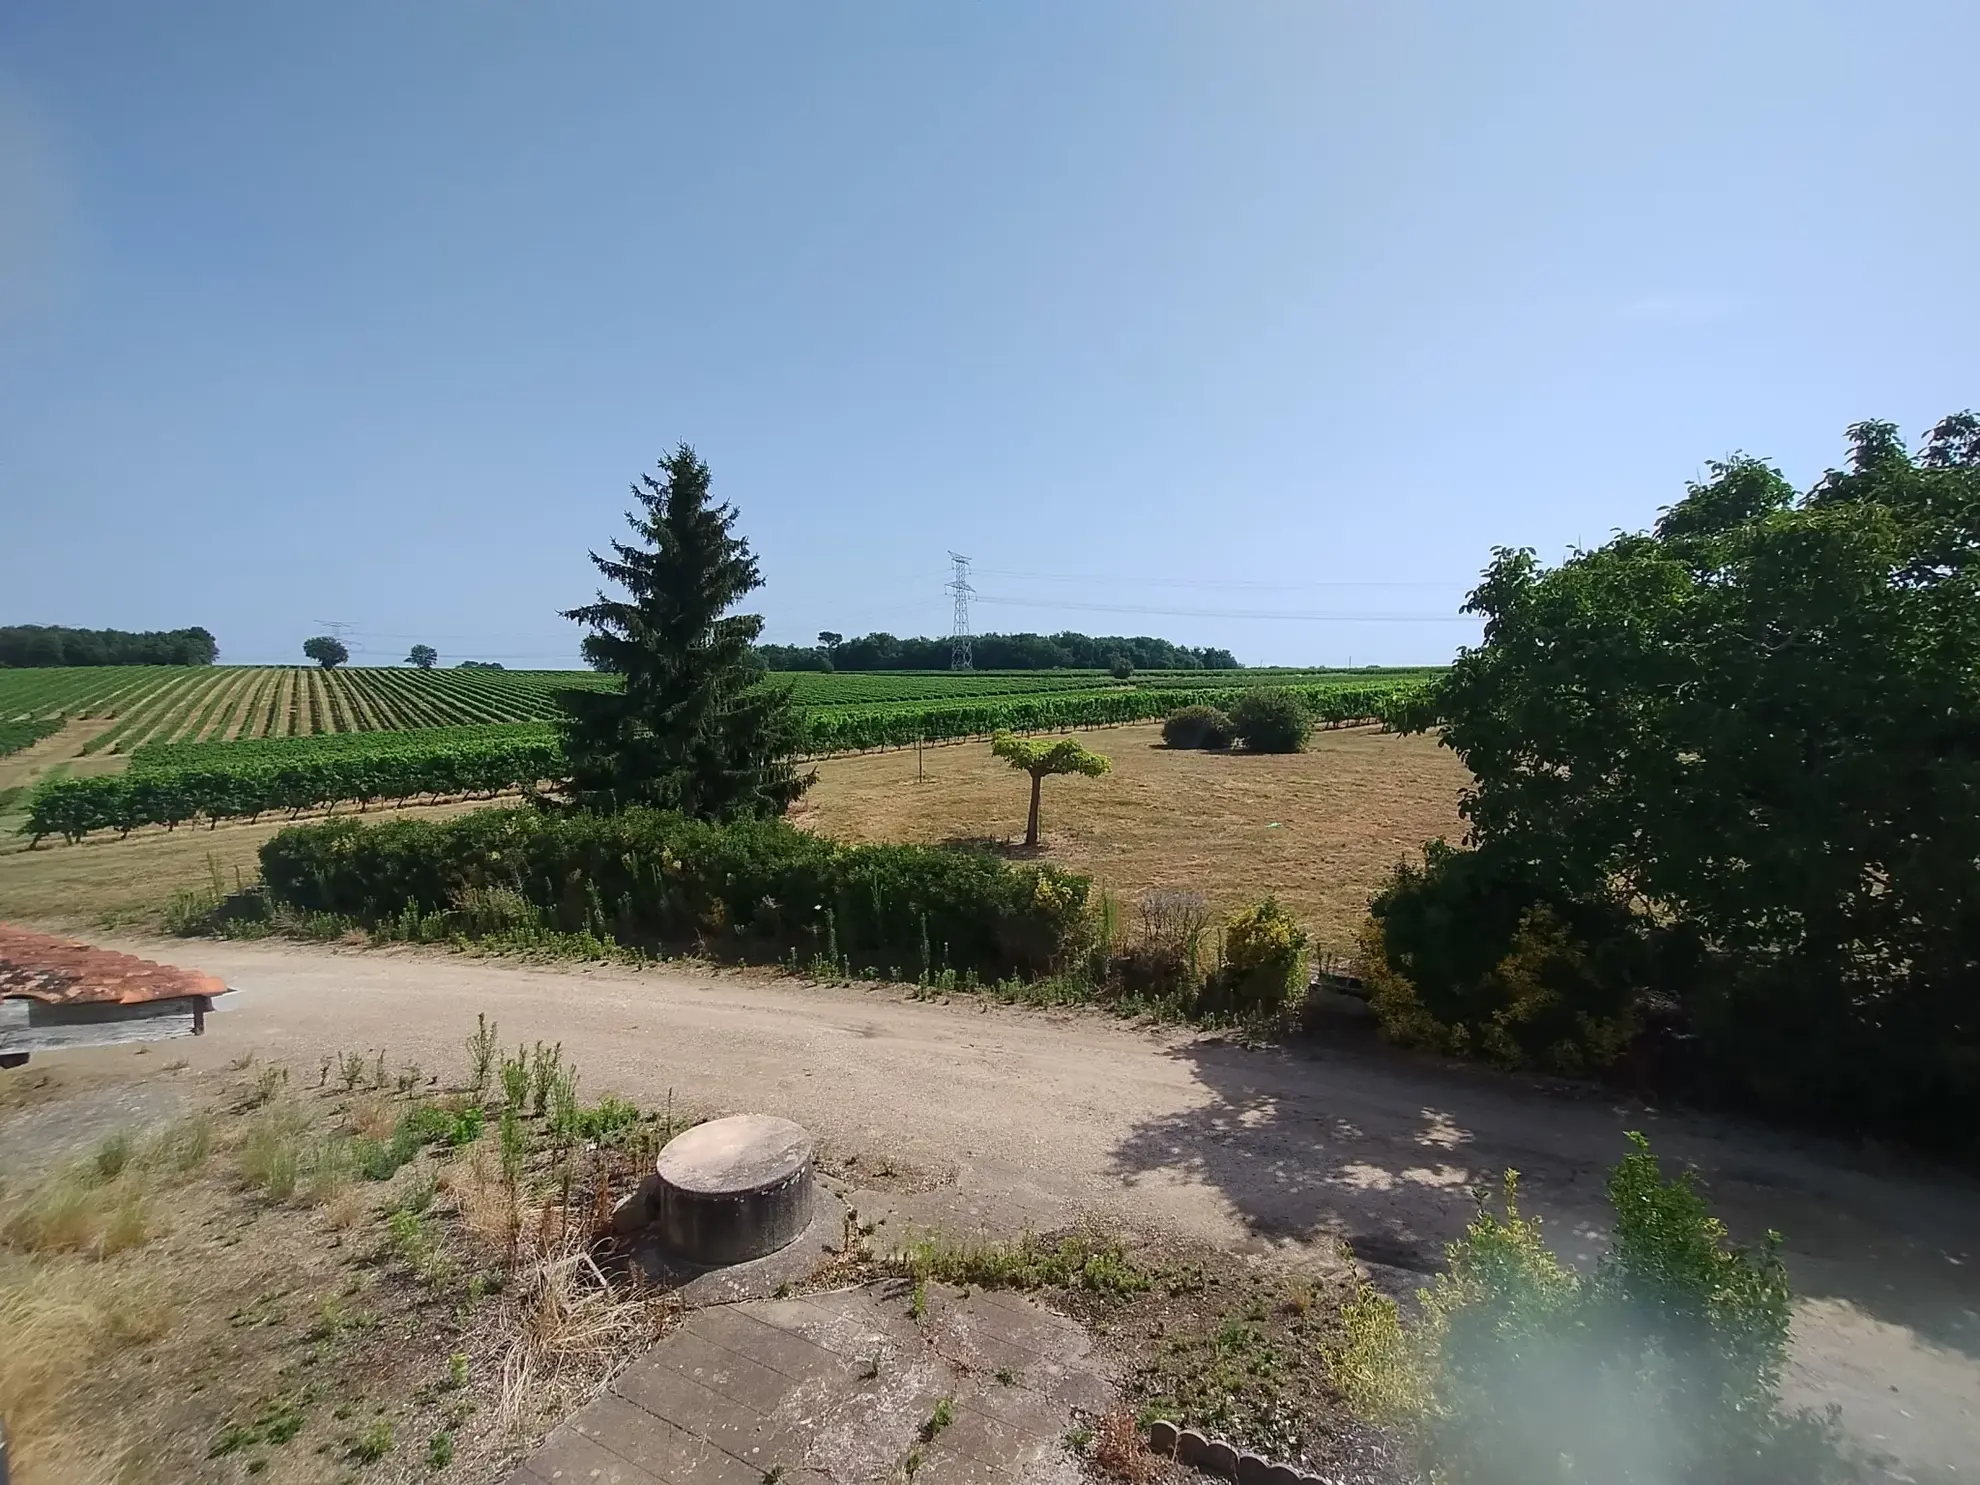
(693, 728)
(326, 650)
(1755, 733)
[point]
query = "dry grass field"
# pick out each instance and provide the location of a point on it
(1320, 829)
(105, 882)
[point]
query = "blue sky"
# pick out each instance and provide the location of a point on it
(370, 312)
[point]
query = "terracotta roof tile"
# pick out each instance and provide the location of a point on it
(60, 971)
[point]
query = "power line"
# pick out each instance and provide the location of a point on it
(1231, 613)
(1168, 582)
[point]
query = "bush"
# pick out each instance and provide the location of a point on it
(1269, 719)
(1475, 954)
(1198, 727)
(1664, 1365)
(1265, 965)
(1166, 958)
(1121, 669)
(646, 877)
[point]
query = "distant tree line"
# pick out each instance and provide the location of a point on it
(33, 645)
(1066, 651)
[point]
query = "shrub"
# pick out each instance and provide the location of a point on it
(1664, 1365)
(1198, 727)
(1475, 954)
(652, 878)
(1166, 957)
(1268, 719)
(1121, 669)
(1265, 964)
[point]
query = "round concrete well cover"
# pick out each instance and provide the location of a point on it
(734, 1189)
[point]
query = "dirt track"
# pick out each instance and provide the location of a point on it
(1037, 1117)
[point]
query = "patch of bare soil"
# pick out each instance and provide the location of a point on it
(1319, 829)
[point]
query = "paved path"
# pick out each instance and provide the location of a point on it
(840, 1387)
(1029, 1117)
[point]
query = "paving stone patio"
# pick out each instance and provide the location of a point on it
(839, 1389)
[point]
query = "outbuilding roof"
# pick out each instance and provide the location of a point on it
(61, 971)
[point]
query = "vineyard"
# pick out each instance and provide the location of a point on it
(202, 747)
(181, 704)
(149, 705)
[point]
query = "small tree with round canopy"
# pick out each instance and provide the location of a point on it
(326, 650)
(423, 656)
(1042, 758)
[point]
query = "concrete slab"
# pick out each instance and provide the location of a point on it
(839, 1388)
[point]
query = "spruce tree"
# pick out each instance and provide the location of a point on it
(693, 728)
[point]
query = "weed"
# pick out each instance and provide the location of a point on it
(350, 1067)
(241, 1063)
(374, 1443)
(234, 1437)
(112, 1156)
(457, 1371)
(273, 1080)
(415, 1247)
(545, 1069)
(183, 1148)
(1030, 1263)
(917, 1300)
(611, 1117)
(516, 1079)
(911, 1463)
(943, 1416)
(481, 1053)
(1119, 1451)
(440, 1450)
(271, 1155)
(774, 1474)
(1078, 1437)
(409, 1077)
(1006, 1377)
(378, 1074)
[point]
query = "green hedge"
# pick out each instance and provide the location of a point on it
(648, 877)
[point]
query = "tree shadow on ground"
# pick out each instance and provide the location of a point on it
(1393, 1152)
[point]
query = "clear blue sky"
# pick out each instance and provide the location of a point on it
(370, 311)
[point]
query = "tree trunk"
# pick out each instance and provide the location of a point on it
(1031, 827)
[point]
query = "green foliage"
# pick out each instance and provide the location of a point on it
(644, 877)
(1102, 1268)
(1663, 1366)
(1735, 759)
(1272, 719)
(423, 657)
(1121, 669)
(52, 645)
(326, 650)
(1043, 758)
(691, 730)
(1472, 954)
(14, 736)
(1199, 727)
(1264, 972)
